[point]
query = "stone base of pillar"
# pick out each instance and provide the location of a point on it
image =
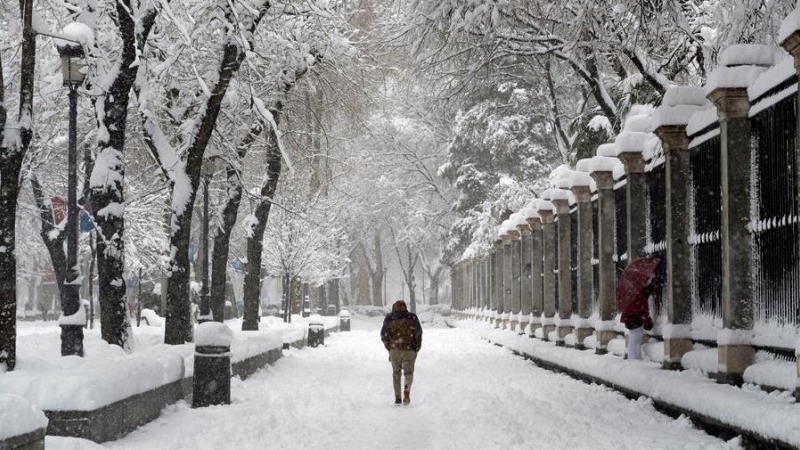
(522, 326)
(603, 338)
(498, 323)
(505, 324)
(733, 360)
(561, 333)
(547, 329)
(797, 391)
(535, 327)
(512, 325)
(580, 335)
(674, 349)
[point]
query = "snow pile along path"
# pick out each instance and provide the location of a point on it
(467, 394)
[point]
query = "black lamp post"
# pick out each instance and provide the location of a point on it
(72, 68)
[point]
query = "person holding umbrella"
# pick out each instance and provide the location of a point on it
(637, 282)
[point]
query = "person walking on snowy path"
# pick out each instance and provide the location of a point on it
(402, 336)
(637, 320)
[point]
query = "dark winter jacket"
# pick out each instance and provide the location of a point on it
(401, 329)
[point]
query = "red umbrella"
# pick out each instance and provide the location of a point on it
(635, 277)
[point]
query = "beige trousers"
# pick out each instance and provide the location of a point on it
(402, 360)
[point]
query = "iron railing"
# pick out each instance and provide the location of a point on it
(774, 218)
(704, 224)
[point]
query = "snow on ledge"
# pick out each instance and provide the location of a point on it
(676, 331)
(18, 416)
(727, 336)
(789, 25)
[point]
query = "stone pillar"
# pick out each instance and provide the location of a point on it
(583, 198)
(607, 291)
(549, 248)
(525, 274)
(792, 45)
(564, 295)
(537, 291)
(498, 283)
(516, 299)
(636, 196)
(733, 106)
(677, 338)
(508, 280)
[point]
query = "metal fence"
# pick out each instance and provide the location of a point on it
(656, 226)
(595, 254)
(704, 223)
(573, 267)
(774, 220)
(621, 254)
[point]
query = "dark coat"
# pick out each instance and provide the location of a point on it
(401, 331)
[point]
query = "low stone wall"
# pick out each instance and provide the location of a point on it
(246, 367)
(117, 419)
(28, 441)
(120, 418)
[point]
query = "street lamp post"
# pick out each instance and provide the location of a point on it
(72, 323)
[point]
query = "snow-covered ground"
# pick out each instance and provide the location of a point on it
(467, 394)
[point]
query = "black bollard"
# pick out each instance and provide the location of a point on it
(344, 320)
(211, 384)
(316, 334)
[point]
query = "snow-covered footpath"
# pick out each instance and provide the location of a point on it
(468, 394)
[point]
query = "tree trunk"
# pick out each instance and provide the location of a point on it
(10, 165)
(107, 190)
(377, 271)
(435, 277)
(252, 278)
(222, 233)
(178, 322)
(52, 239)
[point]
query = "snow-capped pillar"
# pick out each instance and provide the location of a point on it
(635, 192)
(537, 295)
(549, 248)
(735, 351)
(564, 323)
(498, 282)
(583, 197)
(516, 300)
(508, 278)
(603, 175)
(526, 240)
(677, 339)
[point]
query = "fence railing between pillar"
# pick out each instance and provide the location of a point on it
(621, 227)
(774, 218)
(656, 226)
(573, 265)
(595, 254)
(704, 226)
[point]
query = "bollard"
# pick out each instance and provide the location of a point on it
(316, 333)
(344, 320)
(211, 384)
